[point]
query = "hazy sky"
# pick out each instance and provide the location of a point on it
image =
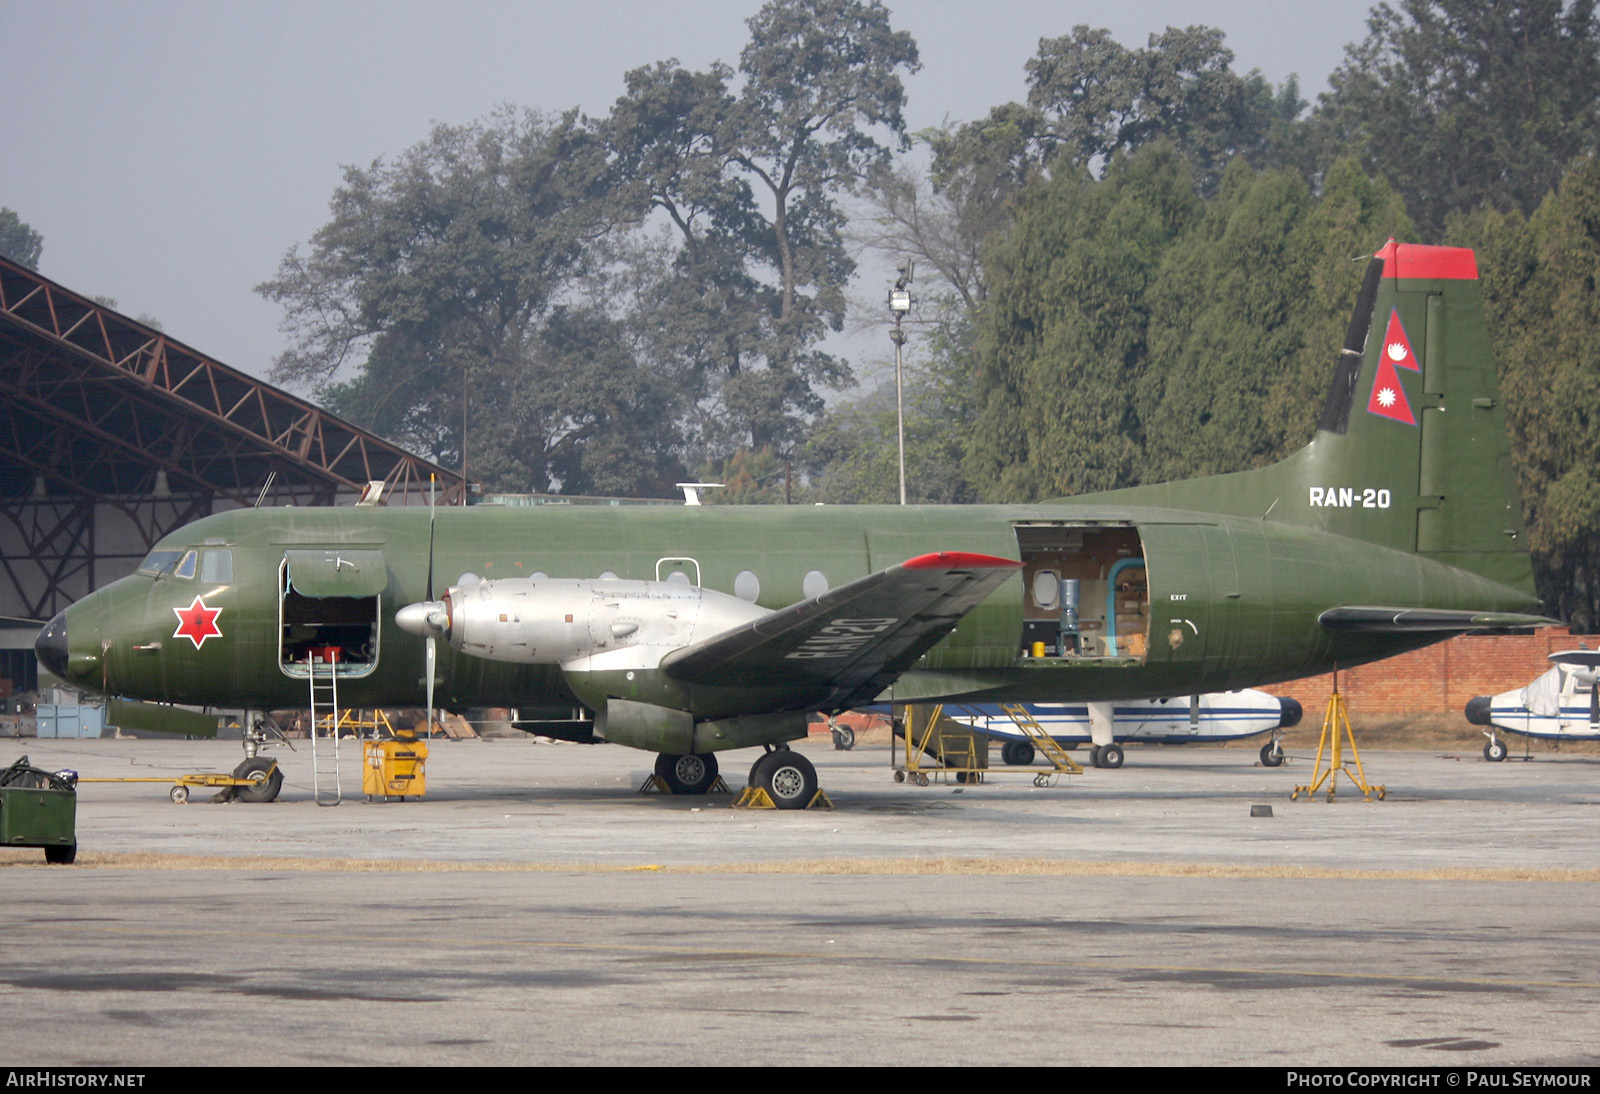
(171, 152)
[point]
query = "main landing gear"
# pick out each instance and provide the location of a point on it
(788, 778)
(690, 774)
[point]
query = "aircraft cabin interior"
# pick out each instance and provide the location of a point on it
(1086, 594)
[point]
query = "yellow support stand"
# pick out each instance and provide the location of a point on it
(1336, 730)
(956, 751)
(655, 785)
(756, 797)
(350, 723)
(917, 742)
(954, 746)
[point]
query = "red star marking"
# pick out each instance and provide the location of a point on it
(197, 622)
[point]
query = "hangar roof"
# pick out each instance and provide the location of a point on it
(98, 404)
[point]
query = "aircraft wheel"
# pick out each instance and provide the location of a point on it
(844, 738)
(266, 779)
(687, 774)
(1111, 755)
(758, 769)
(179, 795)
(1271, 755)
(789, 779)
(61, 856)
(1094, 755)
(1494, 751)
(1017, 753)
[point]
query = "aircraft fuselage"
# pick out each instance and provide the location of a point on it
(1171, 602)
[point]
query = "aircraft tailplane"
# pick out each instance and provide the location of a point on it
(1412, 449)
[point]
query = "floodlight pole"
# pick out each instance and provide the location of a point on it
(899, 304)
(899, 338)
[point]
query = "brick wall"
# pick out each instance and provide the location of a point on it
(1442, 677)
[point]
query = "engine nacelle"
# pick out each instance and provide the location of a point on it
(662, 729)
(556, 621)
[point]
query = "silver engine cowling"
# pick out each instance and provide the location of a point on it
(570, 621)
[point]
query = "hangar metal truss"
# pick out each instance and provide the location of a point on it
(107, 422)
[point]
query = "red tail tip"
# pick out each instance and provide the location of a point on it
(1418, 260)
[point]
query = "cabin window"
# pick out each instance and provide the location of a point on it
(157, 563)
(814, 584)
(1087, 594)
(747, 586)
(1046, 589)
(185, 566)
(216, 566)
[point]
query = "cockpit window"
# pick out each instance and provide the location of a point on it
(216, 566)
(157, 563)
(185, 566)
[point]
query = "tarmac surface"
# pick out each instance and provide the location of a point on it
(533, 908)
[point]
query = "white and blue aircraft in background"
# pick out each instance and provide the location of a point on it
(1561, 704)
(1195, 719)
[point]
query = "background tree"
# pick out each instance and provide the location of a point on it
(449, 282)
(1540, 278)
(1090, 98)
(852, 455)
(902, 216)
(1248, 312)
(1227, 309)
(1062, 341)
(748, 478)
(749, 166)
(19, 242)
(1462, 104)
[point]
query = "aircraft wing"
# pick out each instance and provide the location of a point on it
(1411, 620)
(854, 641)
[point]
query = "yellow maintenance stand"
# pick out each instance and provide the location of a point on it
(394, 770)
(961, 751)
(1335, 730)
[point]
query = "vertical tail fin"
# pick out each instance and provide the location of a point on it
(1412, 450)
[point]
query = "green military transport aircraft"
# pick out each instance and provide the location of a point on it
(689, 630)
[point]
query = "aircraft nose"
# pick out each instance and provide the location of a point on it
(51, 646)
(1289, 713)
(1478, 709)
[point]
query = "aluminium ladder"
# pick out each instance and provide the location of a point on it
(324, 686)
